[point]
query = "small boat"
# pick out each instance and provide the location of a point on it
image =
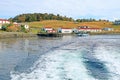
(82, 34)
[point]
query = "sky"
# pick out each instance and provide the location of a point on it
(97, 9)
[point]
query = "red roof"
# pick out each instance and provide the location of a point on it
(3, 20)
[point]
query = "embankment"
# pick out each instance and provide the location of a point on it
(16, 35)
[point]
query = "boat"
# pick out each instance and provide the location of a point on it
(82, 34)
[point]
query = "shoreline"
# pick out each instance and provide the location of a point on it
(16, 35)
(26, 35)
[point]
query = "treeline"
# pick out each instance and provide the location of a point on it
(91, 20)
(45, 16)
(39, 17)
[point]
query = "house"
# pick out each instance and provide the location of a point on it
(47, 28)
(4, 21)
(65, 30)
(108, 29)
(89, 30)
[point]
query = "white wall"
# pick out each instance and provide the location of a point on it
(4, 22)
(91, 30)
(66, 31)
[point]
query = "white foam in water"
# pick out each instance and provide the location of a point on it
(56, 65)
(111, 57)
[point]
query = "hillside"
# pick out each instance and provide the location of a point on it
(69, 24)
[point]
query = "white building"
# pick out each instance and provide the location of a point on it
(4, 21)
(65, 30)
(89, 30)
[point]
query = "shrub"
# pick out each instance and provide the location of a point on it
(12, 29)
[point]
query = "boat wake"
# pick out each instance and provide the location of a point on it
(61, 64)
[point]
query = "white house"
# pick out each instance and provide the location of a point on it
(65, 30)
(4, 21)
(89, 30)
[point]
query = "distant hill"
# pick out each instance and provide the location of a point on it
(31, 17)
(39, 17)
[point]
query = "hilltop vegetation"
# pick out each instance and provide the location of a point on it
(45, 16)
(39, 17)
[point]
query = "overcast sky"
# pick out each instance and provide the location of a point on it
(98, 9)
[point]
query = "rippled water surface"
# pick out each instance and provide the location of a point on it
(64, 58)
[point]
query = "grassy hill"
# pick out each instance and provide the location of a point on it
(67, 24)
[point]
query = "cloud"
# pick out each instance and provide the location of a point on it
(72, 8)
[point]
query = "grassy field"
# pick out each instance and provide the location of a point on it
(67, 24)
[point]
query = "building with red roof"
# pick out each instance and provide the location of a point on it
(88, 29)
(4, 21)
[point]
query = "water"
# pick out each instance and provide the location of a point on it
(66, 58)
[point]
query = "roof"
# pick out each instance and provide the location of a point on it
(3, 20)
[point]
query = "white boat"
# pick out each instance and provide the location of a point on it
(82, 34)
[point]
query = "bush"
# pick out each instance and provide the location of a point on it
(12, 29)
